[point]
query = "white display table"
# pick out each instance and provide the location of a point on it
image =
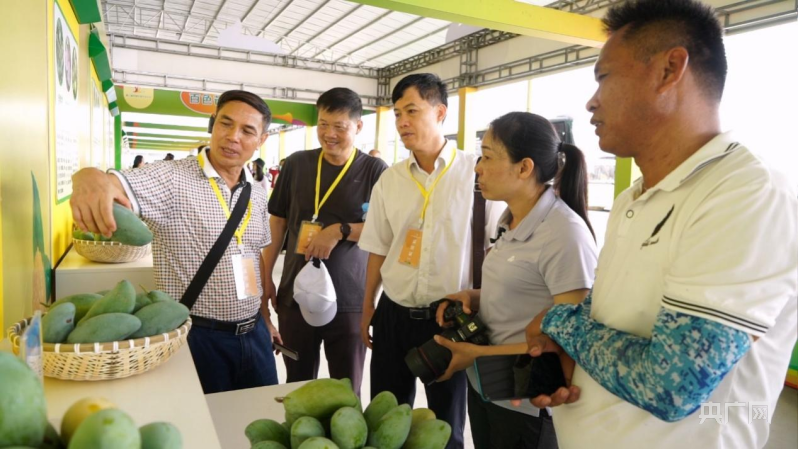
(76, 274)
(232, 411)
(170, 392)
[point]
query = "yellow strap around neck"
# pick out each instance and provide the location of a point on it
(332, 186)
(428, 194)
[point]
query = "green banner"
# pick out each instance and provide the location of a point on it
(197, 104)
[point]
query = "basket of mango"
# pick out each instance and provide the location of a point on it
(109, 335)
(327, 414)
(131, 240)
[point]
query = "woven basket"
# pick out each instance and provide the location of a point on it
(110, 252)
(105, 361)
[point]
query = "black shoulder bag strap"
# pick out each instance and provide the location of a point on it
(217, 250)
(477, 235)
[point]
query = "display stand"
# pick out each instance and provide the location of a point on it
(76, 274)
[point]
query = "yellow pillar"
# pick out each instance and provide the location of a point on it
(466, 131)
(308, 137)
(385, 127)
(281, 152)
(626, 171)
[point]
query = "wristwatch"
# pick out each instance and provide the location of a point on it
(345, 231)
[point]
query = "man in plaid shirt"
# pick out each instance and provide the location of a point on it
(185, 203)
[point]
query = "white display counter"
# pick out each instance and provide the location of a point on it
(170, 392)
(76, 274)
(232, 411)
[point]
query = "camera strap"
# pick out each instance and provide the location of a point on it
(477, 235)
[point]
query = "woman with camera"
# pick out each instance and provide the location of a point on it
(544, 254)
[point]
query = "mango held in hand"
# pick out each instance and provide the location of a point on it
(130, 230)
(105, 328)
(122, 299)
(79, 411)
(160, 435)
(106, 429)
(384, 402)
(320, 398)
(23, 412)
(392, 429)
(430, 434)
(159, 318)
(267, 430)
(348, 428)
(58, 323)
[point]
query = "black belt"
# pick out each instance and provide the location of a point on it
(237, 327)
(417, 313)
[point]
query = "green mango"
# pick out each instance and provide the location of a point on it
(105, 328)
(122, 299)
(267, 430)
(430, 434)
(381, 404)
(320, 398)
(318, 443)
(141, 300)
(159, 296)
(77, 234)
(58, 322)
(130, 230)
(268, 445)
(421, 414)
(160, 435)
(348, 428)
(23, 412)
(393, 428)
(304, 428)
(51, 439)
(82, 302)
(106, 429)
(159, 318)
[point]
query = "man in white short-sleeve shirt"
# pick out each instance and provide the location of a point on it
(417, 260)
(687, 335)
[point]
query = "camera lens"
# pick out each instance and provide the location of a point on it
(429, 361)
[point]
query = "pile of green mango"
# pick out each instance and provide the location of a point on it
(88, 424)
(115, 315)
(130, 230)
(327, 414)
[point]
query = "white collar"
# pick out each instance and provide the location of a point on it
(210, 172)
(443, 159)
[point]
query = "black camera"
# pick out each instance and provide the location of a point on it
(430, 360)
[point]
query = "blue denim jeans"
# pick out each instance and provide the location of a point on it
(226, 361)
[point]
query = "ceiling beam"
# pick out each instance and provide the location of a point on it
(506, 15)
(407, 44)
(324, 30)
(299, 23)
(331, 46)
(369, 44)
(284, 7)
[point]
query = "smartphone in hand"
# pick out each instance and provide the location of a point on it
(288, 352)
(518, 376)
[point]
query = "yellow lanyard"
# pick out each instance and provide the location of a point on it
(334, 184)
(428, 194)
(240, 231)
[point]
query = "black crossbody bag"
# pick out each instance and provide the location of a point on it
(217, 250)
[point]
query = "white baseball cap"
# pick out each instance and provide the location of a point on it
(315, 294)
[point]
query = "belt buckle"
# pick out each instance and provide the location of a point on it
(246, 326)
(419, 314)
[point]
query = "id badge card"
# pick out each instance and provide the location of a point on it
(244, 273)
(411, 250)
(307, 232)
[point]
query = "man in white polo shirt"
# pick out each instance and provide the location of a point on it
(694, 305)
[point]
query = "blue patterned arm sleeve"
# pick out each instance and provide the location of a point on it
(668, 375)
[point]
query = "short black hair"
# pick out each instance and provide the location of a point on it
(341, 99)
(250, 99)
(429, 86)
(658, 25)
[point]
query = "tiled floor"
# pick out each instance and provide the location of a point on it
(784, 426)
